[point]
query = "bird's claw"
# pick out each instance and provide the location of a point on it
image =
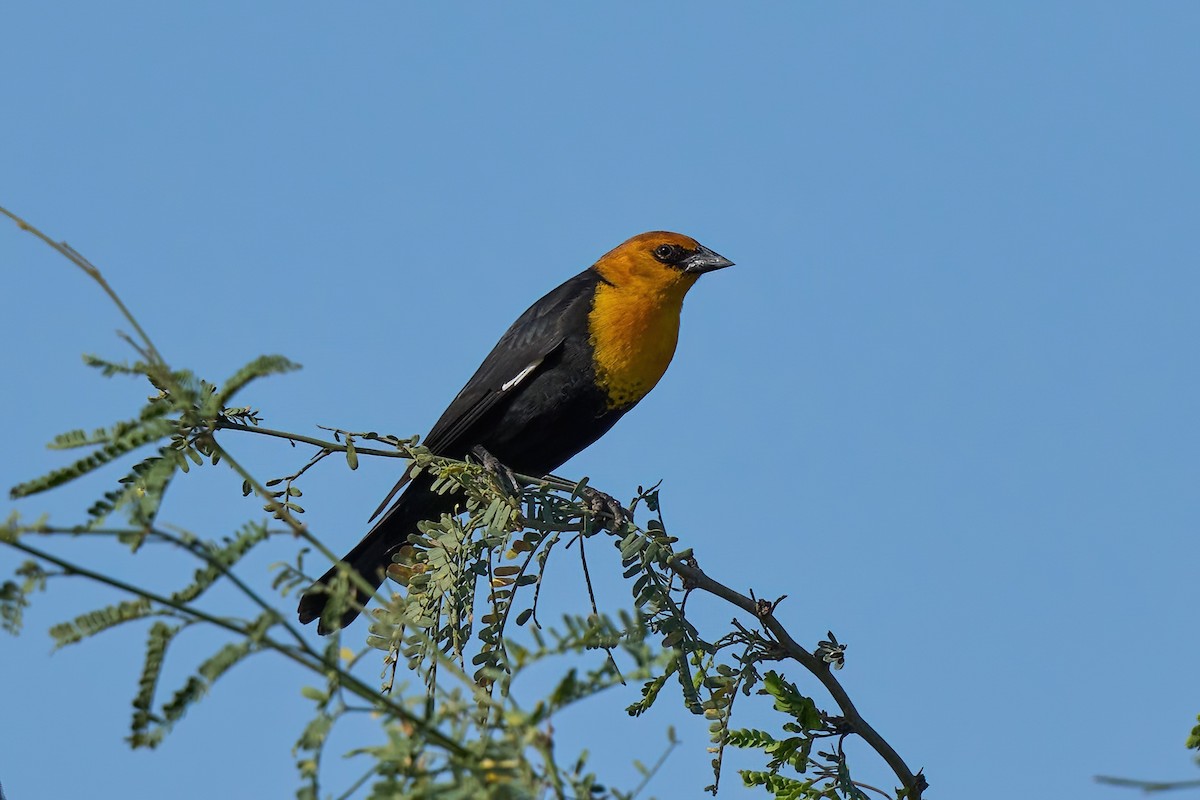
(605, 509)
(508, 478)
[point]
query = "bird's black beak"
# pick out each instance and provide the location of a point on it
(704, 260)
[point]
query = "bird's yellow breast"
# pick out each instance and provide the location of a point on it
(633, 328)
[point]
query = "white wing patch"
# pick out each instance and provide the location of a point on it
(520, 376)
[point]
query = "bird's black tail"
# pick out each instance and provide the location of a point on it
(370, 557)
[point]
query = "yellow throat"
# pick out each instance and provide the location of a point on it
(633, 327)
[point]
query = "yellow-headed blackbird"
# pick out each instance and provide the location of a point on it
(565, 371)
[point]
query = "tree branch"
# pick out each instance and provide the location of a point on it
(765, 613)
(333, 447)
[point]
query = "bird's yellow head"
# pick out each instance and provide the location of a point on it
(634, 321)
(659, 259)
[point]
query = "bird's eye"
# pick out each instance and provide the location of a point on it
(666, 253)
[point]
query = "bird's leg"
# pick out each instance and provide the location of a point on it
(508, 479)
(604, 507)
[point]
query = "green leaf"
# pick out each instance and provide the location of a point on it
(315, 732)
(220, 560)
(141, 735)
(94, 622)
(138, 437)
(258, 368)
(314, 694)
(110, 368)
(789, 700)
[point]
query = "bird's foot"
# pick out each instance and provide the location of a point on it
(607, 511)
(506, 477)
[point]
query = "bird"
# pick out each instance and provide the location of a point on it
(559, 378)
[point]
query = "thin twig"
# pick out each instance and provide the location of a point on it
(595, 611)
(196, 549)
(650, 773)
(333, 447)
(549, 481)
(862, 785)
(72, 255)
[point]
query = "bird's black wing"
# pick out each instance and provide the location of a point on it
(523, 349)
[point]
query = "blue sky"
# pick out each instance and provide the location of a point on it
(946, 400)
